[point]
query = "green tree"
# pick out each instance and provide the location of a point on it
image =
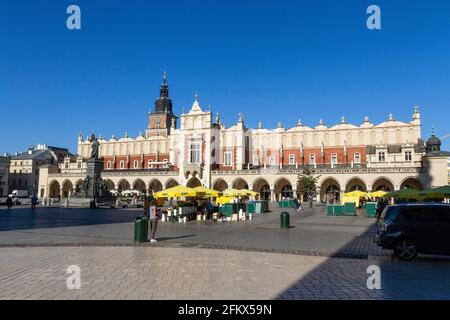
(307, 182)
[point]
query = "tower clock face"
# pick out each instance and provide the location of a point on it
(157, 120)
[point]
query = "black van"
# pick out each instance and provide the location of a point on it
(412, 228)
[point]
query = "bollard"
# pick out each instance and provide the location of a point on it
(284, 220)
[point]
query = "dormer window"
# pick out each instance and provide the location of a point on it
(408, 155)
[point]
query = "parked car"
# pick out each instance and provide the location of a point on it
(409, 229)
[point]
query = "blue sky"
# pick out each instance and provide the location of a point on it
(272, 60)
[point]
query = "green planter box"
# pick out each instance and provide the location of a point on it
(350, 209)
(338, 210)
(330, 210)
(371, 209)
(262, 206)
(230, 208)
(291, 203)
(251, 207)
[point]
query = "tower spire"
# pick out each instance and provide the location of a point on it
(165, 76)
(163, 104)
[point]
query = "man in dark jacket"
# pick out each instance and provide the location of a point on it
(9, 202)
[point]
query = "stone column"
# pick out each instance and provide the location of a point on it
(318, 195)
(272, 195)
(341, 195)
(294, 193)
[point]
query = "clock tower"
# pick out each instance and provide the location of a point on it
(161, 120)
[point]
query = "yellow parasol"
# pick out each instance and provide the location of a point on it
(378, 194)
(224, 199)
(356, 193)
(208, 192)
(239, 193)
(178, 191)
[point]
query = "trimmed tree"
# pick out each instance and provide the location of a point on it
(307, 183)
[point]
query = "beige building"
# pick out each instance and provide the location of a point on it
(4, 176)
(24, 166)
(203, 151)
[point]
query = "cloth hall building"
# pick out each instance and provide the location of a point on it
(196, 148)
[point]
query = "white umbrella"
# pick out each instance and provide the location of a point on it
(127, 192)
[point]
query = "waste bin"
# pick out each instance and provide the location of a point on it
(141, 229)
(284, 220)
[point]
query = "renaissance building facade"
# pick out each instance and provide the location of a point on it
(196, 148)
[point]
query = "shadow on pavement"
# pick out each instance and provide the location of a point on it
(175, 238)
(26, 218)
(341, 278)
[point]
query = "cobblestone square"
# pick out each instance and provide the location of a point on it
(318, 258)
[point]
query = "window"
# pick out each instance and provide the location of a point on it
(79, 165)
(150, 163)
(408, 156)
(271, 160)
(357, 158)
(292, 159)
(256, 160)
(381, 156)
(122, 164)
(195, 153)
(109, 165)
(334, 159)
(312, 159)
(136, 164)
(227, 158)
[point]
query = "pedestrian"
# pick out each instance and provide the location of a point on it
(379, 208)
(154, 215)
(298, 204)
(9, 202)
(34, 201)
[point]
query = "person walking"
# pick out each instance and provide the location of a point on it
(379, 208)
(34, 201)
(9, 203)
(153, 214)
(298, 204)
